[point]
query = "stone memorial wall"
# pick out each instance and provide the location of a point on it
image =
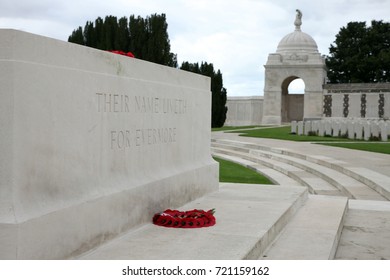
(92, 144)
(370, 101)
(244, 111)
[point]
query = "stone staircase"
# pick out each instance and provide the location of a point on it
(269, 222)
(320, 208)
(346, 215)
(249, 217)
(253, 222)
(313, 233)
(320, 174)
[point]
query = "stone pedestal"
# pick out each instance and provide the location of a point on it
(92, 144)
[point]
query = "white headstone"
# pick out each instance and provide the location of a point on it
(343, 128)
(328, 128)
(384, 131)
(93, 144)
(300, 128)
(351, 130)
(388, 127)
(321, 128)
(314, 126)
(358, 127)
(307, 127)
(294, 127)
(375, 129)
(336, 128)
(367, 130)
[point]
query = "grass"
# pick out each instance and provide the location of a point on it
(284, 133)
(224, 128)
(234, 173)
(376, 147)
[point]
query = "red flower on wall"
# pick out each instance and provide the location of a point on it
(129, 54)
(185, 219)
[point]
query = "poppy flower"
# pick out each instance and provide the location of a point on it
(128, 54)
(185, 219)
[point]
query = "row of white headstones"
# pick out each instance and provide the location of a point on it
(361, 129)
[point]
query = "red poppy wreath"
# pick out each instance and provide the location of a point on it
(129, 54)
(185, 219)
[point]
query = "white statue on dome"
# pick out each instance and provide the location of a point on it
(298, 20)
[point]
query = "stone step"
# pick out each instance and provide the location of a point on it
(275, 176)
(366, 231)
(313, 233)
(353, 186)
(376, 181)
(299, 175)
(343, 182)
(249, 217)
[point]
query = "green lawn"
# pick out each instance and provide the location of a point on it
(224, 128)
(234, 173)
(377, 147)
(283, 133)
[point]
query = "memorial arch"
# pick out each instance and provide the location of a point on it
(296, 57)
(292, 103)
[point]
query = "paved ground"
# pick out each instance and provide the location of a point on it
(374, 161)
(269, 222)
(248, 219)
(366, 227)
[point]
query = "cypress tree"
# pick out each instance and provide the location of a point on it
(219, 93)
(147, 38)
(110, 27)
(139, 36)
(77, 36)
(100, 36)
(122, 40)
(90, 34)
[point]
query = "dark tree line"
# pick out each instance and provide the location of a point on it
(218, 106)
(360, 54)
(147, 38)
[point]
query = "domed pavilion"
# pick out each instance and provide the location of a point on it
(296, 57)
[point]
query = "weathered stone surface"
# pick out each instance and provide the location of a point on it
(93, 143)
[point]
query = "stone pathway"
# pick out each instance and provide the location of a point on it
(362, 177)
(329, 203)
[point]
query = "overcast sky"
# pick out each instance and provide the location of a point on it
(236, 36)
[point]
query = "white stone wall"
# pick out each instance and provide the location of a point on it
(356, 105)
(92, 144)
(248, 110)
(244, 111)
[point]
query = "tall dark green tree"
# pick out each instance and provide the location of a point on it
(219, 93)
(138, 35)
(360, 54)
(78, 36)
(146, 37)
(122, 40)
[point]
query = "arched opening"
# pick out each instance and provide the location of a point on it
(293, 89)
(297, 86)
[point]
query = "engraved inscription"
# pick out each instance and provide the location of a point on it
(125, 139)
(160, 105)
(113, 103)
(123, 103)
